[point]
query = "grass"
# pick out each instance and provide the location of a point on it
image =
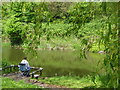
(9, 83)
(66, 81)
(73, 81)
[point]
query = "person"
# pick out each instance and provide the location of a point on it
(24, 67)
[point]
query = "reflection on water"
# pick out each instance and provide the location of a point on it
(55, 62)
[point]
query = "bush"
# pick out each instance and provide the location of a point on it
(5, 63)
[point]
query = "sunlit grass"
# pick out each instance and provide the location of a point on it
(9, 83)
(73, 81)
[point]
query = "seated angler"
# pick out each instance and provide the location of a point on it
(24, 67)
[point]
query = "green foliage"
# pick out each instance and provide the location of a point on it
(110, 40)
(5, 63)
(81, 13)
(58, 10)
(14, 31)
(56, 29)
(20, 16)
(107, 36)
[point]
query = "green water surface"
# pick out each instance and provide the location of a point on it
(55, 62)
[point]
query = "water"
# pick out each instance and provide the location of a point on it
(57, 62)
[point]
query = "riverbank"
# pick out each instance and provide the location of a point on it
(18, 81)
(68, 43)
(74, 81)
(9, 83)
(12, 81)
(86, 81)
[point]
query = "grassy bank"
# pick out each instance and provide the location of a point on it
(74, 81)
(9, 83)
(57, 43)
(69, 82)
